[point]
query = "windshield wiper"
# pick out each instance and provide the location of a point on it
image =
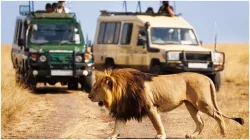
(43, 43)
(172, 43)
(66, 42)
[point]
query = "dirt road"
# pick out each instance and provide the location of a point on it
(59, 113)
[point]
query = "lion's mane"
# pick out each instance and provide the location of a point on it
(128, 92)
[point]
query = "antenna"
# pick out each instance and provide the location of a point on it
(139, 6)
(29, 6)
(33, 7)
(87, 40)
(215, 39)
(174, 7)
(125, 5)
(69, 5)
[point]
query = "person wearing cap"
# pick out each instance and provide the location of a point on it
(166, 9)
(61, 7)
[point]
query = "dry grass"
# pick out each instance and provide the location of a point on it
(234, 97)
(237, 63)
(14, 97)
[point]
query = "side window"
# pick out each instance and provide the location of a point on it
(101, 33)
(16, 32)
(117, 33)
(25, 27)
(109, 33)
(20, 30)
(126, 33)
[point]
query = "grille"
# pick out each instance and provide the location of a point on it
(61, 60)
(198, 57)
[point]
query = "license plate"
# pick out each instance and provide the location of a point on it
(61, 72)
(197, 65)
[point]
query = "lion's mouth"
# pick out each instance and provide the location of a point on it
(100, 103)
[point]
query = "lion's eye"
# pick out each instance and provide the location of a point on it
(96, 88)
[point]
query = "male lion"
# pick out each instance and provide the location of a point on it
(131, 94)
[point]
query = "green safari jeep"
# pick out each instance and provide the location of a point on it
(50, 48)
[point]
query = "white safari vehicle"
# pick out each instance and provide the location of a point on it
(153, 43)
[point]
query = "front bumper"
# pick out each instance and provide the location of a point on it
(62, 73)
(47, 76)
(176, 67)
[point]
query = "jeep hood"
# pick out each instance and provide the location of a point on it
(180, 48)
(46, 48)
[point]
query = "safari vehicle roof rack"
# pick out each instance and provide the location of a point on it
(28, 10)
(42, 14)
(108, 13)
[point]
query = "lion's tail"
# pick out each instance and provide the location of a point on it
(213, 91)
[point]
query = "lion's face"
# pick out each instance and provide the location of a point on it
(101, 92)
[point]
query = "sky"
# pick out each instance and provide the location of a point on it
(231, 18)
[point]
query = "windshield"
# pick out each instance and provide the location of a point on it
(55, 33)
(179, 36)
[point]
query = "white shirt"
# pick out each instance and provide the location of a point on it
(61, 10)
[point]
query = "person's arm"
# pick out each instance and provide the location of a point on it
(171, 11)
(66, 10)
(160, 10)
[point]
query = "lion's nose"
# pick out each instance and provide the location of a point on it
(90, 96)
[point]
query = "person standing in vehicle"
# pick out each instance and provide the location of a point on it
(54, 7)
(150, 10)
(61, 7)
(166, 9)
(48, 8)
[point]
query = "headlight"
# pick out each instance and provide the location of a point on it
(78, 59)
(173, 56)
(218, 57)
(87, 58)
(42, 58)
(33, 57)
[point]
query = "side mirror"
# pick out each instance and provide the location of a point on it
(20, 42)
(24, 9)
(201, 42)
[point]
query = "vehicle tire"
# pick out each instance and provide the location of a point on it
(109, 64)
(156, 69)
(29, 80)
(18, 78)
(216, 78)
(72, 84)
(88, 82)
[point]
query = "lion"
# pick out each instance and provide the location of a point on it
(131, 94)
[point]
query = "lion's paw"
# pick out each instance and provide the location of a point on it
(111, 137)
(189, 136)
(114, 136)
(161, 136)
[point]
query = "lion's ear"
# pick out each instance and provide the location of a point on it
(109, 83)
(98, 74)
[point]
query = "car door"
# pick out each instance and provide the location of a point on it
(106, 42)
(140, 55)
(124, 50)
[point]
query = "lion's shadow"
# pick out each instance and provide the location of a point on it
(152, 138)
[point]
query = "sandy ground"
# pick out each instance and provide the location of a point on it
(59, 113)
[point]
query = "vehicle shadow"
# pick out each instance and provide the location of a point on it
(54, 90)
(152, 138)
